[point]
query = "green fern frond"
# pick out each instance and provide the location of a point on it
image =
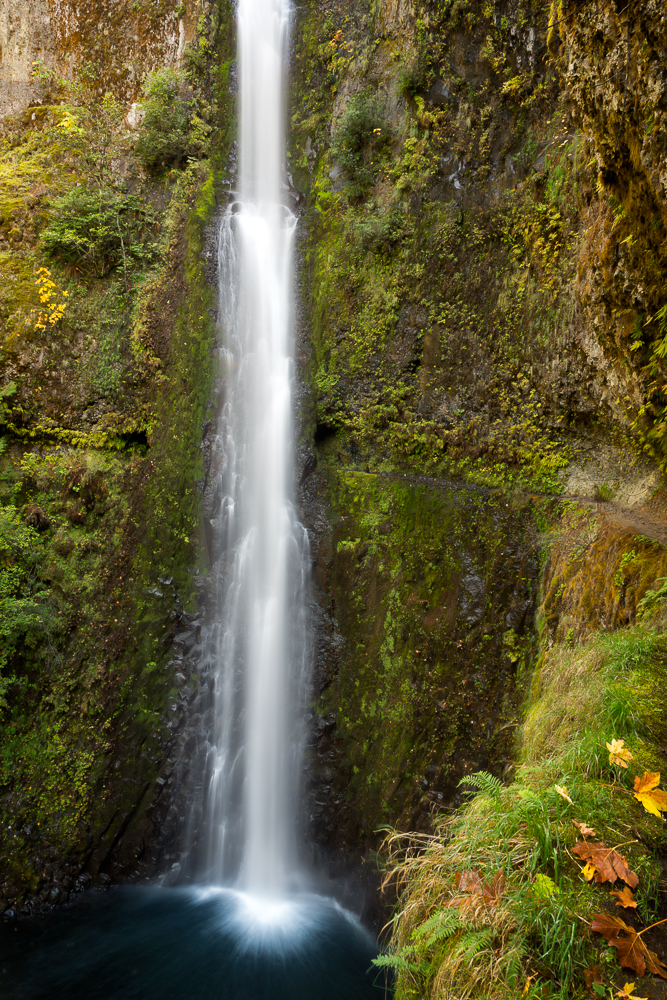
(471, 943)
(438, 927)
(397, 962)
(514, 966)
(485, 783)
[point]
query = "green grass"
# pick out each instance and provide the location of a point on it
(608, 687)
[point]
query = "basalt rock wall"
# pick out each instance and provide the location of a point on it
(482, 271)
(106, 386)
(119, 41)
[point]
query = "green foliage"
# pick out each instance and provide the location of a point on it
(91, 127)
(522, 833)
(171, 130)
(415, 75)
(100, 230)
(652, 599)
(25, 614)
(485, 783)
(6, 392)
(360, 138)
(379, 232)
(660, 348)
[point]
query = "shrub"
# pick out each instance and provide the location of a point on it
(360, 138)
(99, 230)
(170, 130)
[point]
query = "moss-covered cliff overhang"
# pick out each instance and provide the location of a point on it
(432, 588)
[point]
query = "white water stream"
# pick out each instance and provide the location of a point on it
(260, 637)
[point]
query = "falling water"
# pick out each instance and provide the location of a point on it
(260, 636)
(248, 937)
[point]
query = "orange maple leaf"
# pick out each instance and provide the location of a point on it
(653, 799)
(479, 893)
(605, 863)
(625, 898)
(585, 831)
(631, 950)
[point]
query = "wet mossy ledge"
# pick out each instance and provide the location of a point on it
(106, 384)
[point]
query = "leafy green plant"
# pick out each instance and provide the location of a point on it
(99, 230)
(171, 130)
(415, 74)
(25, 615)
(483, 782)
(6, 391)
(652, 599)
(361, 136)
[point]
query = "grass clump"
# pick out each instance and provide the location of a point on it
(495, 904)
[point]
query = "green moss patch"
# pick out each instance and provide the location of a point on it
(436, 640)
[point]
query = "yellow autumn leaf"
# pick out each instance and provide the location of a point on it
(653, 799)
(563, 792)
(619, 753)
(627, 994)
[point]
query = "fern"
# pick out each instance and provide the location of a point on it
(485, 783)
(438, 927)
(471, 943)
(398, 962)
(651, 598)
(514, 966)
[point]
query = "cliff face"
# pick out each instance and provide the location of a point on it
(123, 41)
(483, 273)
(482, 265)
(106, 382)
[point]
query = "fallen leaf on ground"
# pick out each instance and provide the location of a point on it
(585, 831)
(592, 975)
(619, 753)
(607, 862)
(625, 898)
(627, 994)
(529, 980)
(653, 799)
(468, 881)
(479, 892)
(544, 886)
(631, 951)
(563, 792)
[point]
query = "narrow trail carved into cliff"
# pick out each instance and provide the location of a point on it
(639, 519)
(649, 519)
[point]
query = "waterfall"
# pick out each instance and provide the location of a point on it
(260, 633)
